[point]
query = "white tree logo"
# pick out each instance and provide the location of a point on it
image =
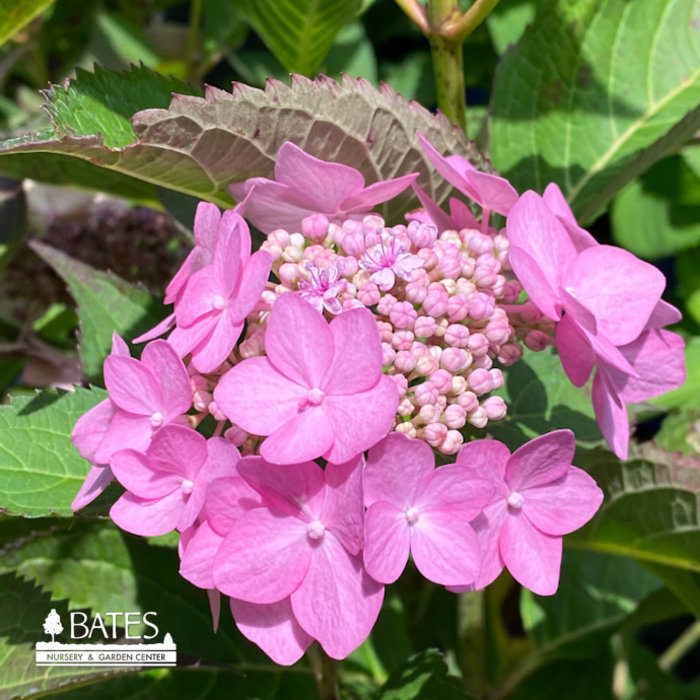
(52, 624)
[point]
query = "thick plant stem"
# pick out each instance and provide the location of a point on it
(461, 28)
(449, 79)
(446, 54)
(325, 673)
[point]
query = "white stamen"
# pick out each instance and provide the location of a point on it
(315, 530)
(411, 515)
(157, 419)
(187, 486)
(516, 500)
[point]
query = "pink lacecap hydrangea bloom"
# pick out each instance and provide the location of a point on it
(369, 338)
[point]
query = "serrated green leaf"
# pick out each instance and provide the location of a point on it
(424, 675)
(541, 398)
(658, 214)
(299, 32)
(106, 304)
(685, 585)
(15, 14)
(651, 509)
(619, 89)
(199, 146)
(508, 20)
(40, 470)
(352, 53)
(103, 102)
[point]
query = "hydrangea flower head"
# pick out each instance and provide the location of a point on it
(539, 497)
(304, 186)
(319, 391)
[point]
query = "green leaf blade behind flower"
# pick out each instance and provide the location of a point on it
(106, 303)
(40, 470)
(619, 90)
(16, 14)
(299, 33)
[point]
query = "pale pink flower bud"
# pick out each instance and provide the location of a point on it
(441, 327)
(373, 221)
(480, 381)
(479, 243)
(416, 290)
(402, 340)
(450, 265)
(482, 362)
(500, 243)
(455, 416)
(347, 265)
(385, 304)
(201, 400)
(435, 433)
(465, 286)
(452, 442)
(484, 276)
(458, 307)
(468, 266)
(421, 235)
(425, 393)
(288, 274)
(407, 428)
(435, 303)
(454, 359)
(197, 381)
(315, 227)
(250, 347)
(353, 243)
(481, 306)
(450, 286)
(292, 254)
(215, 411)
(273, 249)
(401, 383)
(536, 340)
(498, 286)
(386, 331)
(406, 407)
(441, 379)
(511, 291)
(478, 344)
(510, 353)
(429, 258)
(236, 435)
(456, 335)
(468, 401)
(430, 413)
(388, 354)
(426, 365)
(497, 380)
(403, 315)
(459, 385)
(424, 326)
(495, 407)
(478, 418)
(368, 294)
(452, 237)
(278, 237)
(405, 361)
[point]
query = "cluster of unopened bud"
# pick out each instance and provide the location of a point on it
(441, 301)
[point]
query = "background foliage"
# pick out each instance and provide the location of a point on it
(600, 96)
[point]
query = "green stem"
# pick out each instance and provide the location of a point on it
(416, 12)
(461, 27)
(325, 673)
(193, 36)
(446, 55)
(680, 647)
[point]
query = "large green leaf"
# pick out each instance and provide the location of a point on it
(594, 93)
(658, 214)
(540, 398)
(106, 303)
(200, 145)
(40, 470)
(299, 32)
(651, 509)
(15, 14)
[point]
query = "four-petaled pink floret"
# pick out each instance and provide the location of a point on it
(319, 391)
